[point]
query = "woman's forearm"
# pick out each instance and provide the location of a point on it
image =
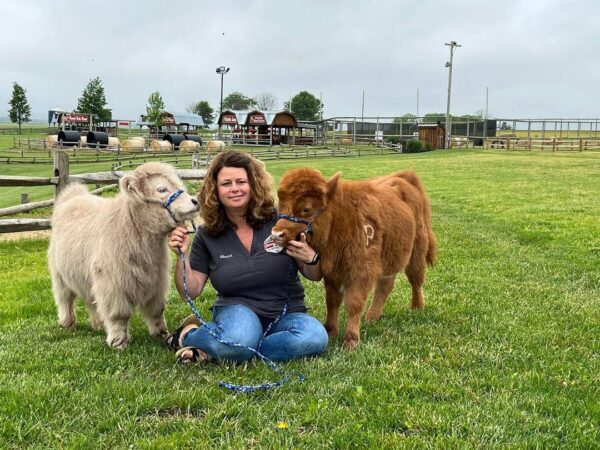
(195, 281)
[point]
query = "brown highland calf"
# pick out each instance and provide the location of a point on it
(366, 232)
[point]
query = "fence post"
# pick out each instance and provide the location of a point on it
(580, 144)
(61, 170)
(553, 144)
(24, 198)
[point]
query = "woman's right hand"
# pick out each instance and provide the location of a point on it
(178, 239)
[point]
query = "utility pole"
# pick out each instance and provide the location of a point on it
(485, 118)
(362, 111)
(417, 103)
(451, 44)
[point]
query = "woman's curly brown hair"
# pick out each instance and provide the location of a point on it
(261, 207)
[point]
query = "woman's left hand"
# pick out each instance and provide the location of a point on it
(300, 250)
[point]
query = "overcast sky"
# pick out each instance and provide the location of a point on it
(539, 58)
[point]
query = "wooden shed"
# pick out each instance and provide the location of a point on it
(433, 134)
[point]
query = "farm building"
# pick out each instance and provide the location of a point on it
(174, 123)
(433, 134)
(265, 128)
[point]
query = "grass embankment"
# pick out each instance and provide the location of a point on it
(505, 353)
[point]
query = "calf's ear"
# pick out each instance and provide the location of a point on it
(332, 184)
(129, 184)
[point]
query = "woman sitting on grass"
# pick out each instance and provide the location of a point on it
(253, 285)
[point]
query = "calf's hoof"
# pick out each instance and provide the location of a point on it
(118, 342)
(372, 317)
(67, 324)
(332, 330)
(350, 343)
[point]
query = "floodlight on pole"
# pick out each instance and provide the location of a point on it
(222, 70)
(451, 44)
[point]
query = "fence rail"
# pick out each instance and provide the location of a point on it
(550, 144)
(61, 179)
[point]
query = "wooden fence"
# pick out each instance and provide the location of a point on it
(549, 144)
(60, 180)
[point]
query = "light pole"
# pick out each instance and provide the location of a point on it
(451, 44)
(222, 70)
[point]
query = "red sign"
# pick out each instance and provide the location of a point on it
(258, 120)
(80, 118)
(123, 124)
(229, 119)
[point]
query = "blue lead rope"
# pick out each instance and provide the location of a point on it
(247, 388)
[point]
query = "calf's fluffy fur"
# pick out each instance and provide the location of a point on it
(113, 252)
(366, 232)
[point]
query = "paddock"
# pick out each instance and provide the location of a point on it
(504, 353)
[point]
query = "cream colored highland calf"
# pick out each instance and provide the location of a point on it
(113, 252)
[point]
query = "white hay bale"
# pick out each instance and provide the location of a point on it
(113, 142)
(134, 144)
(215, 146)
(192, 146)
(160, 146)
(51, 141)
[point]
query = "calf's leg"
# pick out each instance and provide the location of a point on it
(152, 312)
(334, 300)
(415, 272)
(64, 299)
(382, 291)
(356, 297)
(95, 319)
(115, 313)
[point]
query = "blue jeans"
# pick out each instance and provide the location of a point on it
(295, 335)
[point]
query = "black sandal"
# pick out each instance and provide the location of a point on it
(172, 340)
(198, 355)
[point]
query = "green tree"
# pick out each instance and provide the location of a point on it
(435, 117)
(305, 106)
(203, 109)
(19, 111)
(155, 110)
(405, 118)
(93, 101)
(238, 101)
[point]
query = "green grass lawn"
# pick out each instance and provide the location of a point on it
(506, 352)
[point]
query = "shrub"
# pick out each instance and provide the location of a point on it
(427, 147)
(392, 140)
(413, 146)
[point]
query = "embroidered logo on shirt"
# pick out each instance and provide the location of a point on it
(226, 256)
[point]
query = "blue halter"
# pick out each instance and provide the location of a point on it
(174, 196)
(297, 220)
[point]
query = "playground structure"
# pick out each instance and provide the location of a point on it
(265, 128)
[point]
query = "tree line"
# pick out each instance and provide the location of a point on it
(304, 105)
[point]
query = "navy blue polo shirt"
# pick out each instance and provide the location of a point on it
(257, 279)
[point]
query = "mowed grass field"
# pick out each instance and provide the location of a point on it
(504, 355)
